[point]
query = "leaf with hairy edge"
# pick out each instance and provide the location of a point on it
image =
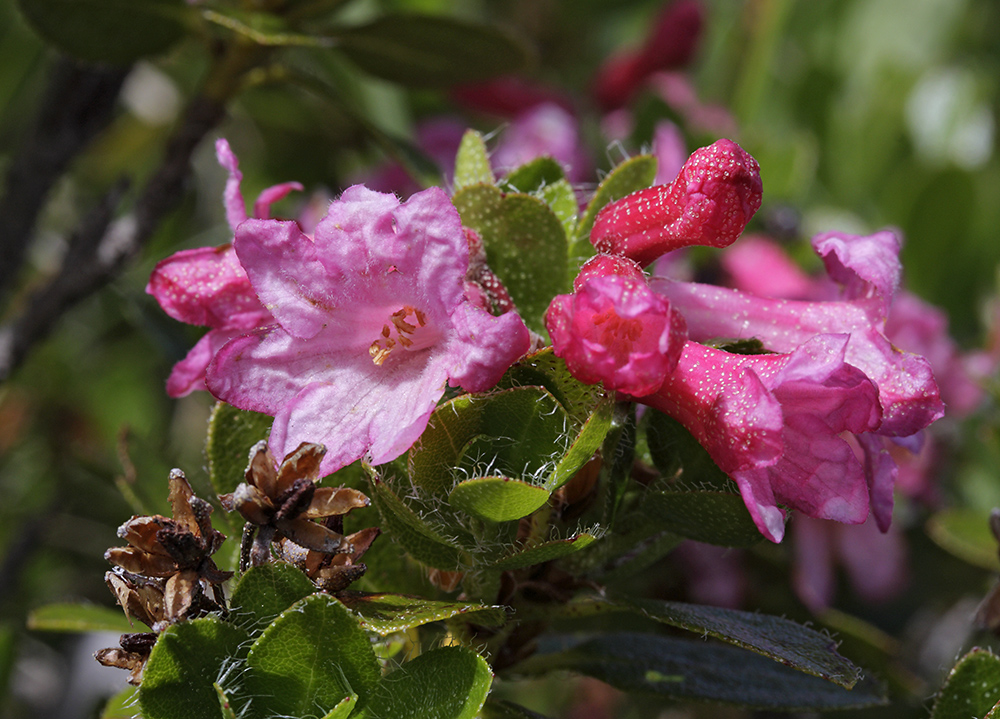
(422, 541)
(121, 705)
(716, 518)
(972, 688)
(561, 199)
(497, 499)
(446, 683)
(525, 246)
(532, 176)
(472, 162)
(388, 613)
(344, 709)
(78, 618)
(429, 51)
(225, 705)
(636, 173)
(685, 669)
(118, 32)
(794, 645)
(545, 552)
(231, 434)
(186, 662)
(312, 657)
(265, 592)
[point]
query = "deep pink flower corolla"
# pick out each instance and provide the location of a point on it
(614, 329)
(207, 286)
(710, 201)
(773, 424)
(372, 323)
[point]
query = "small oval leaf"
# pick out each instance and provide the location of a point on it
(497, 499)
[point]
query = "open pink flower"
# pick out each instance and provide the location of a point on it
(710, 201)
(773, 424)
(614, 329)
(372, 322)
(207, 286)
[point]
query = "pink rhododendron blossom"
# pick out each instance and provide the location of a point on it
(670, 151)
(758, 265)
(543, 130)
(710, 201)
(372, 322)
(207, 286)
(774, 422)
(614, 329)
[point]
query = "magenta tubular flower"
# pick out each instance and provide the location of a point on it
(773, 424)
(207, 286)
(372, 321)
(709, 203)
(614, 329)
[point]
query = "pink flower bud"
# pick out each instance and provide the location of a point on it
(709, 203)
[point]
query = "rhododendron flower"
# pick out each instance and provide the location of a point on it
(372, 321)
(710, 201)
(207, 285)
(614, 329)
(773, 424)
(544, 130)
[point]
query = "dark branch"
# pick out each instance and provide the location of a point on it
(78, 103)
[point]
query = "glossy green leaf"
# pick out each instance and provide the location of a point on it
(79, 618)
(422, 541)
(718, 518)
(111, 31)
(186, 662)
(472, 162)
(966, 534)
(532, 176)
(685, 669)
(232, 433)
(545, 552)
(312, 657)
(972, 688)
(388, 613)
(636, 173)
(497, 499)
(265, 592)
(430, 51)
(780, 639)
(447, 683)
(525, 245)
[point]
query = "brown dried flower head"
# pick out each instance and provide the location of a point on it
(330, 572)
(283, 500)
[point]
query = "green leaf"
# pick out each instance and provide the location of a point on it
(561, 198)
(232, 433)
(430, 51)
(263, 28)
(780, 639)
(525, 246)
(515, 433)
(112, 31)
(966, 534)
(532, 176)
(497, 499)
(312, 657)
(636, 173)
(718, 518)
(972, 688)
(388, 613)
(679, 456)
(225, 706)
(188, 658)
(344, 709)
(684, 669)
(121, 705)
(265, 592)
(447, 683)
(421, 541)
(503, 709)
(545, 552)
(79, 618)
(472, 163)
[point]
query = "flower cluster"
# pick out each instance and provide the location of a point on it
(809, 426)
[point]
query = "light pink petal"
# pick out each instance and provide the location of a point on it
(713, 197)
(206, 286)
(875, 560)
(484, 346)
(812, 573)
(236, 208)
(881, 473)
(546, 130)
(262, 207)
(670, 151)
(188, 375)
(758, 265)
(291, 282)
(867, 267)
(755, 488)
(365, 410)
